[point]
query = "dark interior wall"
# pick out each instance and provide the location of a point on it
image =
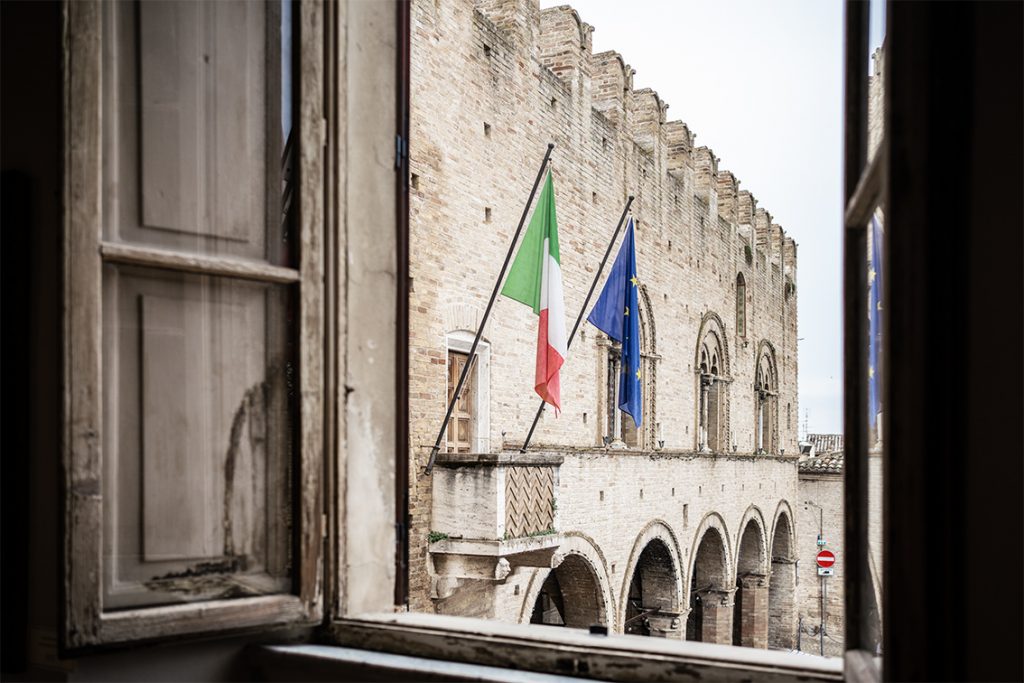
(30, 197)
(954, 235)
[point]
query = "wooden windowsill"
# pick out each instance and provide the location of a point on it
(560, 651)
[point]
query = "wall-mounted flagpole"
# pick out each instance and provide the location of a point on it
(487, 312)
(583, 310)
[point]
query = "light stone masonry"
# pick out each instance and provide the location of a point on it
(493, 82)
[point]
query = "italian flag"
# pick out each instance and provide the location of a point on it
(536, 280)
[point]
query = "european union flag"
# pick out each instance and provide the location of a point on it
(874, 320)
(616, 314)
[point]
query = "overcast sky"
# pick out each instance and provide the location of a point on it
(760, 83)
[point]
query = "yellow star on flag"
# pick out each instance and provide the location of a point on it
(633, 280)
(627, 310)
(871, 371)
(638, 373)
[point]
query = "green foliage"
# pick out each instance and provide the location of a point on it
(544, 532)
(435, 536)
(748, 254)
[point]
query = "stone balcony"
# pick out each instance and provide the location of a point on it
(492, 513)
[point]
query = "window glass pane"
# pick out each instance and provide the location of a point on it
(872, 593)
(682, 526)
(198, 396)
(197, 127)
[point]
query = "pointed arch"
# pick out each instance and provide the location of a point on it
(782, 581)
(654, 578)
(710, 588)
(766, 399)
(750, 612)
(578, 588)
(712, 376)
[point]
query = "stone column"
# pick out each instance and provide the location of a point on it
(617, 441)
(754, 611)
(717, 622)
(781, 604)
(702, 444)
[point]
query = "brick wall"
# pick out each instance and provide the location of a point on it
(531, 77)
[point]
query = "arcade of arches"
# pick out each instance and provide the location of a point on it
(747, 601)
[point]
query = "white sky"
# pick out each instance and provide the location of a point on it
(760, 83)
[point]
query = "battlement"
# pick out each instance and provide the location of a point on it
(562, 42)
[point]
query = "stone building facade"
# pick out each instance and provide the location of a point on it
(820, 512)
(684, 527)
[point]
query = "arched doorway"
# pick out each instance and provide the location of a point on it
(750, 613)
(570, 596)
(711, 597)
(652, 604)
(782, 585)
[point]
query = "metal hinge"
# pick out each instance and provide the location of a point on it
(401, 150)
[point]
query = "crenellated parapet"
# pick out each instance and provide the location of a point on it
(565, 43)
(562, 43)
(728, 196)
(679, 145)
(762, 228)
(611, 79)
(648, 117)
(520, 19)
(705, 172)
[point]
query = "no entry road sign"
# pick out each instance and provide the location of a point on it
(826, 558)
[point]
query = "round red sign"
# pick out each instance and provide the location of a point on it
(826, 558)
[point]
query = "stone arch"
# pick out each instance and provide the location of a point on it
(710, 589)
(753, 515)
(712, 378)
(653, 580)
(766, 399)
(782, 580)
(750, 613)
(584, 589)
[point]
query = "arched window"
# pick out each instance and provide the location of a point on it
(741, 306)
(766, 396)
(619, 430)
(712, 380)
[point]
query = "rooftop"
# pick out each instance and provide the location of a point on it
(826, 463)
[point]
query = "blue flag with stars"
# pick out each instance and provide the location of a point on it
(616, 314)
(874, 321)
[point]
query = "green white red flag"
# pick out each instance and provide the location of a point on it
(536, 280)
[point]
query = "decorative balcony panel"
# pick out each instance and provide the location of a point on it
(529, 501)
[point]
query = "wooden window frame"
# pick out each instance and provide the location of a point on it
(84, 622)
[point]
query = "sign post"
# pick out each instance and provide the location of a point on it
(825, 559)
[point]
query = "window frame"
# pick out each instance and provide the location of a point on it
(360, 594)
(84, 622)
(478, 382)
(864, 185)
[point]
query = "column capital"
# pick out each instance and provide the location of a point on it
(754, 580)
(717, 596)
